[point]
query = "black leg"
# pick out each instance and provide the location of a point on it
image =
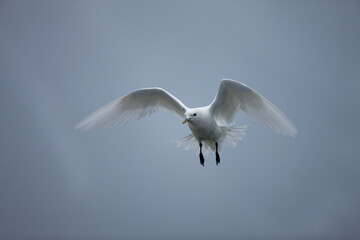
(217, 154)
(202, 160)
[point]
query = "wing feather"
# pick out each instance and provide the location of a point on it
(133, 106)
(233, 96)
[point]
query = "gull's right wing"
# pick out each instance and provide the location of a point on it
(133, 106)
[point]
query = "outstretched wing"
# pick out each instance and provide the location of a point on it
(133, 106)
(233, 96)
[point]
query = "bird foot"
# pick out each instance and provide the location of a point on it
(217, 158)
(202, 160)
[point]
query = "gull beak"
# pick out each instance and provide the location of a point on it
(185, 120)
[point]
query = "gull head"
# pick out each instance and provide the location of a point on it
(190, 116)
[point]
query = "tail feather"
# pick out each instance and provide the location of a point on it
(187, 142)
(230, 135)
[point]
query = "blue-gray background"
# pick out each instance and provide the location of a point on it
(60, 60)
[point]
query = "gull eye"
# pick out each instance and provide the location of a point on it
(194, 114)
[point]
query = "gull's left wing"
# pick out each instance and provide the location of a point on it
(233, 96)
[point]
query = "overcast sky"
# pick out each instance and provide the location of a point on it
(61, 60)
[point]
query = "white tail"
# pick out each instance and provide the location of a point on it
(230, 135)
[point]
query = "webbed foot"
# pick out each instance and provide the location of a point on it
(202, 160)
(217, 154)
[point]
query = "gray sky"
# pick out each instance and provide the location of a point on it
(61, 60)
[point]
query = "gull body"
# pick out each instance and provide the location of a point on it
(205, 129)
(211, 125)
(202, 124)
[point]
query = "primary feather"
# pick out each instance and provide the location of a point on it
(233, 96)
(133, 106)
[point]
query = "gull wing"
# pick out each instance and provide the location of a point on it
(133, 106)
(233, 96)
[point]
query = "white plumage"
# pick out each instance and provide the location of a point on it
(210, 125)
(133, 106)
(233, 96)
